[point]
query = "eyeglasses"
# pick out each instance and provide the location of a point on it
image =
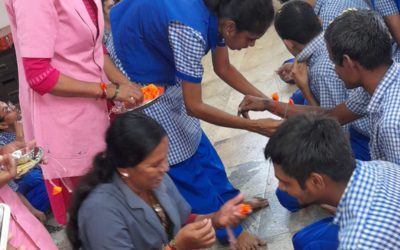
(7, 108)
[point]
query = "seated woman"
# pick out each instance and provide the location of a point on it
(25, 229)
(128, 202)
(30, 187)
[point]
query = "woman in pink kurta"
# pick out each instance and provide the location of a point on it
(61, 70)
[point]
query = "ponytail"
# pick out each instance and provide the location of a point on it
(130, 139)
(102, 172)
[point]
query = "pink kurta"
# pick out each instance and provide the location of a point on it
(70, 129)
(25, 229)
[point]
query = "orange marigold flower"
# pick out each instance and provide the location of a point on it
(275, 96)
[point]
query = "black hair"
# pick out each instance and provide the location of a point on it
(254, 16)
(363, 36)
(297, 21)
(130, 139)
(311, 143)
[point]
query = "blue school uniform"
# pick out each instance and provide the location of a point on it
(165, 46)
(367, 215)
(329, 91)
(383, 112)
(31, 185)
(328, 10)
(388, 8)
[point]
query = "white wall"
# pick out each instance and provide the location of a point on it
(3, 15)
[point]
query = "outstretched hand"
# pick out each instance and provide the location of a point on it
(229, 215)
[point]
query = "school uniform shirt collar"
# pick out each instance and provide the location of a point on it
(313, 48)
(380, 92)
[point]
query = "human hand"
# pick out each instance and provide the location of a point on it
(8, 166)
(284, 72)
(300, 74)
(266, 126)
(196, 235)
(229, 215)
(252, 103)
(130, 94)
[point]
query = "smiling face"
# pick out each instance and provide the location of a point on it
(241, 40)
(234, 39)
(307, 195)
(148, 174)
(8, 115)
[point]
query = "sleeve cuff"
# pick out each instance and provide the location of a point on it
(188, 78)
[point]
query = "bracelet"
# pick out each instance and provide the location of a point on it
(172, 244)
(116, 92)
(103, 87)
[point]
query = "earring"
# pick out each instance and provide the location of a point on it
(126, 175)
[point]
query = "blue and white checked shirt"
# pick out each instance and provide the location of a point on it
(368, 214)
(184, 132)
(387, 8)
(326, 86)
(6, 138)
(328, 10)
(383, 110)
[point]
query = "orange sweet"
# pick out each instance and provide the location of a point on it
(245, 209)
(151, 91)
(275, 96)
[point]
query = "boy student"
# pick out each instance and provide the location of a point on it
(301, 32)
(359, 44)
(327, 11)
(313, 162)
(30, 187)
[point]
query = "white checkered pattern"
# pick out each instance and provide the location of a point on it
(189, 48)
(369, 211)
(6, 138)
(385, 7)
(325, 84)
(383, 110)
(184, 132)
(328, 10)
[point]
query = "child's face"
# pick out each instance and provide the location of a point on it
(8, 113)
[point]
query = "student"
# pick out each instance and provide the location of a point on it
(166, 47)
(328, 10)
(301, 32)
(360, 47)
(25, 229)
(389, 10)
(30, 187)
(313, 162)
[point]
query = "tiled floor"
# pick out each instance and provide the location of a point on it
(242, 151)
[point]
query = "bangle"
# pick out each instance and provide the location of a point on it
(172, 244)
(116, 92)
(103, 87)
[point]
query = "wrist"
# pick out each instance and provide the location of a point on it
(214, 220)
(110, 92)
(269, 105)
